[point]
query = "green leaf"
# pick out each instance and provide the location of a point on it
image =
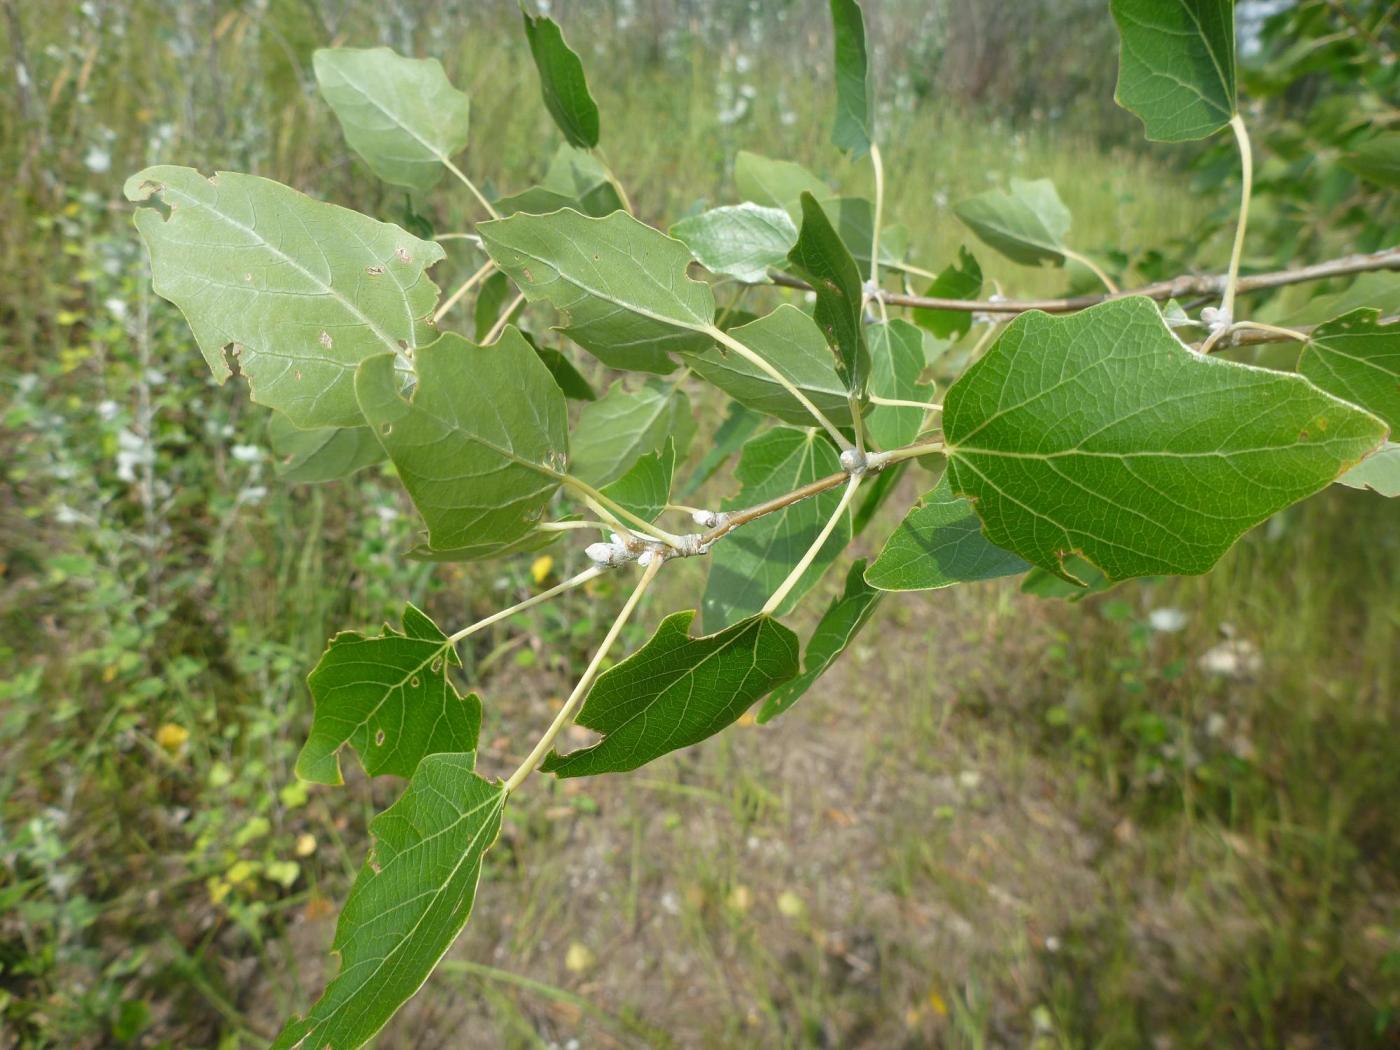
(845, 616)
(743, 241)
(1358, 359)
(1379, 472)
(826, 264)
(776, 183)
(646, 487)
(496, 291)
(389, 699)
(854, 110)
(960, 280)
(622, 426)
(854, 219)
(576, 179)
(622, 284)
(570, 380)
(749, 564)
(480, 444)
(1377, 160)
(562, 82)
(408, 904)
(897, 359)
(294, 291)
(1176, 70)
(1027, 225)
(1374, 290)
(323, 454)
(531, 541)
(939, 544)
(791, 342)
(1100, 433)
(401, 115)
(1044, 584)
(739, 424)
(677, 690)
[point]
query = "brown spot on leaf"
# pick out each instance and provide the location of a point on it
(325, 339)
(374, 271)
(402, 255)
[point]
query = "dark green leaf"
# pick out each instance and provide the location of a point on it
(896, 361)
(646, 487)
(570, 380)
(496, 291)
(1176, 70)
(822, 259)
(1358, 359)
(323, 454)
(960, 280)
(739, 423)
(854, 110)
(562, 82)
(743, 241)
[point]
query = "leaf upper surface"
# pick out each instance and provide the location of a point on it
(1358, 359)
(896, 361)
(562, 82)
(960, 280)
(822, 258)
(854, 109)
(1176, 70)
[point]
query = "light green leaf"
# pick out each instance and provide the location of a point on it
(792, 343)
(676, 691)
(1374, 290)
(1358, 359)
(1377, 160)
(960, 280)
(776, 183)
(1102, 434)
(401, 115)
(749, 564)
(822, 259)
(1027, 225)
(896, 361)
(389, 699)
(1045, 584)
(562, 82)
(743, 240)
(1176, 70)
(575, 179)
(622, 283)
(531, 541)
(739, 423)
(622, 426)
(646, 487)
(1379, 472)
(408, 904)
(323, 454)
(939, 544)
(854, 109)
(296, 292)
(481, 443)
(834, 632)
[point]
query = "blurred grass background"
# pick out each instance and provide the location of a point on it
(1163, 817)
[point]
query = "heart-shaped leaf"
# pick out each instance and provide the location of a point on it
(1027, 225)
(1358, 359)
(1176, 70)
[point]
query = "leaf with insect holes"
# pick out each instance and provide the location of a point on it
(824, 261)
(792, 343)
(481, 442)
(323, 454)
(896, 361)
(624, 425)
(939, 544)
(749, 564)
(677, 690)
(845, 616)
(1379, 472)
(402, 115)
(296, 291)
(1357, 358)
(1101, 434)
(776, 183)
(389, 698)
(562, 81)
(1027, 225)
(646, 487)
(408, 904)
(960, 280)
(622, 284)
(743, 241)
(854, 104)
(1176, 69)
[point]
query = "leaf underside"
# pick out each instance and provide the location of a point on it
(322, 454)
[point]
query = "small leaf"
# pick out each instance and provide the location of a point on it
(562, 82)
(1379, 472)
(939, 544)
(408, 904)
(676, 690)
(622, 426)
(576, 179)
(646, 487)
(480, 445)
(823, 260)
(570, 380)
(1377, 160)
(1357, 358)
(834, 632)
(960, 280)
(776, 183)
(743, 241)
(1027, 225)
(1101, 434)
(389, 699)
(1176, 70)
(854, 219)
(739, 424)
(323, 454)
(897, 359)
(854, 110)
(401, 115)
(242, 258)
(495, 293)
(1369, 290)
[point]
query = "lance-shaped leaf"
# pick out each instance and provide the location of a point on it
(960, 280)
(480, 443)
(562, 82)
(776, 183)
(1379, 472)
(854, 111)
(408, 904)
(750, 563)
(495, 293)
(297, 292)
(389, 699)
(676, 691)
(622, 283)
(401, 115)
(822, 258)
(896, 360)
(845, 616)
(1358, 359)
(1101, 433)
(1176, 70)
(1027, 225)
(742, 240)
(939, 544)
(624, 425)
(792, 343)
(646, 487)
(323, 454)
